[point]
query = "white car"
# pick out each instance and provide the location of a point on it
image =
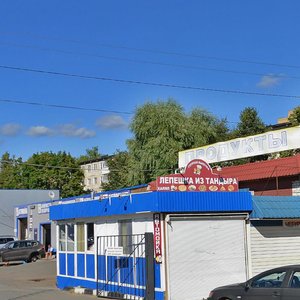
(5, 239)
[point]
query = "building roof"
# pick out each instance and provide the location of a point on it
(102, 158)
(287, 166)
(275, 207)
(151, 202)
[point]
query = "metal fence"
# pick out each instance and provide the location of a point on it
(125, 267)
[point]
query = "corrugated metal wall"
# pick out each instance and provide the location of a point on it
(274, 246)
(156, 202)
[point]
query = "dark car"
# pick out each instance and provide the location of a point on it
(26, 250)
(281, 283)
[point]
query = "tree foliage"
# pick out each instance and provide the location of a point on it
(44, 170)
(250, 123)
(205, 129)
(118, 165)
(294, 117)
(11, 172)
(160, 130)
(90, 154)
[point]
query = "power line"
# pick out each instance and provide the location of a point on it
(14, 162)
(157, 84)
(15, 101)
(156, 51)
(69, 168)
(280, 76)
(64, 106)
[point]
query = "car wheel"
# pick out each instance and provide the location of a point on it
(33, 258)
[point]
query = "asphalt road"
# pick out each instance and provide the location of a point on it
(33, 281)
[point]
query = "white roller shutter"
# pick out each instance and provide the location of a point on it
(204, 254)
(274, 246)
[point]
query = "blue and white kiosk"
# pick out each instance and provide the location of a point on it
(198, 224)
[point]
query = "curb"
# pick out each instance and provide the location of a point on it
(80, 290)
(11, 263)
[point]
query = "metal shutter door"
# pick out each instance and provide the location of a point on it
(204, 254)
(274, 246)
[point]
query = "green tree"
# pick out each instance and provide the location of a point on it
(118, 165)
(91, 154)
(162, 129)
(11, 169)
(159, 131)
(294, 117)
(250, 123)
(205, 129)
(47, 170)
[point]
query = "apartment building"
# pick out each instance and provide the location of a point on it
(95, 174)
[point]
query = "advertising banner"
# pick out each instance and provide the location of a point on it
(157, 238)
(268, 142)
(198, 176)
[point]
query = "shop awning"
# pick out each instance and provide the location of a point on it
(276, 207)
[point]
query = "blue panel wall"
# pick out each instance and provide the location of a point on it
(156, 202)
(90, 266)
(67, 282)
(101, 267)
(62, 263)
(157, 275)
(140, 271)
(80, 265)
(111, 269)
(126, 270)
(71, 265)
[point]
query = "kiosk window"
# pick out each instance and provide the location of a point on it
(62, 237)
(125, 236)
(80, 237)
(90, 236)
(70, 237)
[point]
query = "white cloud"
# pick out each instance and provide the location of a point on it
(40, 131)
(72, 130)
(269, 80)
(10, 129)
(112, 122)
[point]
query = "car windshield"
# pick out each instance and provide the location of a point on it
(6, 246)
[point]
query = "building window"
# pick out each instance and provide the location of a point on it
(125, 236)
(89, 168)
(95, 180)
(90, 236)
(89, 181)
(104, 178)
(80, 237)
(95, 166)
(70, 237)
(62, 237)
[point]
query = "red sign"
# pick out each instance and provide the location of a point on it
(198, 176)
(157, 238)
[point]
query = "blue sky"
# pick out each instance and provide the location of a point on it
(137, 40)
